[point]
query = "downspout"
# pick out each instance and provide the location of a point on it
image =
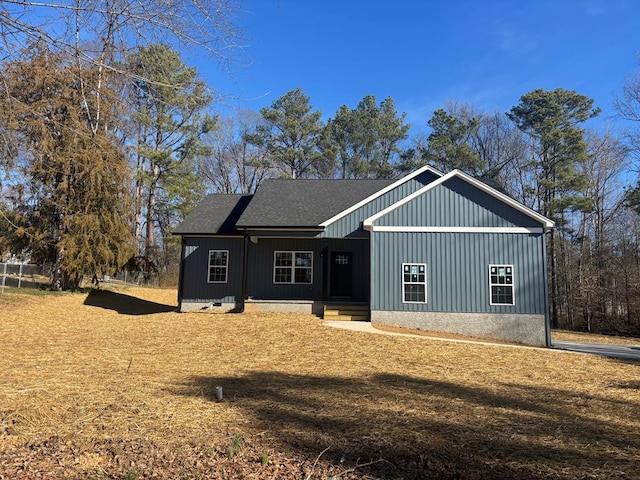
(547, 318)
(369, 229)
(181, 274)
(245, 268)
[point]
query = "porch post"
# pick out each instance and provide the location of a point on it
(324, 255)
(245, 267)
(180, 274)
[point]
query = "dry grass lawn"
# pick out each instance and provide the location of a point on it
(118, 385)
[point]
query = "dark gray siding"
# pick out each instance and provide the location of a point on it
(261, 285)
(457, 203)
(261, 256)
(196, 287)
(361, 273)
(457, 275)
(350, 225)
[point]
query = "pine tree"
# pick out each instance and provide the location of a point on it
(71, 201)
(294, 136)
(168, 101)
(551, 120)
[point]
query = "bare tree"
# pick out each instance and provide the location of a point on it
(234, 165)
(101, 33)
(628, 106)
(603, 168)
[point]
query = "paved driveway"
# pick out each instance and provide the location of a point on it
(627, 352)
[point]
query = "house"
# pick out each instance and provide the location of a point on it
(428, 251)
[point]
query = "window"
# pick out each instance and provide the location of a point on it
(414, 283)
(293, 267)
(218, 265)
(501, 285)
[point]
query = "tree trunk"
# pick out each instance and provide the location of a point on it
(57, 280)
(150, 240)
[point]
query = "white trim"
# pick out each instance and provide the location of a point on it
(292, 267)
(205, 235)
(512, 285)
(388, 188)
(547, 223)
(284, 229)
(225, 266)
(267, 237)
(368, 222)
(383, 228)
(414, 283)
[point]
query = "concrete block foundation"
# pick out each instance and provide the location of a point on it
(520, 328)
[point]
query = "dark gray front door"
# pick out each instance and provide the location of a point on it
(341, 276)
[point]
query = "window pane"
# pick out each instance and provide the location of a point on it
(414, 279)
(283, 275)
(283, 259)
(217, 257)
(303, 275)
(502, 295)
(501, 281)
(303, 259)
(218, 274)
(218, 266)
(414, 293)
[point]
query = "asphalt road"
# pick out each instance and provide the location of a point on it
(626, 352)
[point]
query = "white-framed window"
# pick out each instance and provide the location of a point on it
(501, 282)
(292, 267)
(218, 266)
(414, 283)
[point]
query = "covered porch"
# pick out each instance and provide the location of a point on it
(308, 275)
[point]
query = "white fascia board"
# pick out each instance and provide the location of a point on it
(547, 223)
(445, 229)
(283, 229)
(368, 222)
(206, 235)
(388, 188)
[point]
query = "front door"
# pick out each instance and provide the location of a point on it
(341, 274)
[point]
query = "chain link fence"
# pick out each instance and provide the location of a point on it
(24, 275)
(28, 275)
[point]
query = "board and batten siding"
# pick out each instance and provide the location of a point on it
(456, 203)
(260, 270)
(196, 287)
(261, 258)
(350, 225)
(457, 270)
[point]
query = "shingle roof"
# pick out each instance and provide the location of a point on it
(215, 214)
(305, 203)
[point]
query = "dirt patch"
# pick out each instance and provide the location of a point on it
(123, 386)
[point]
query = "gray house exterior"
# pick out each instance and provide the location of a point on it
(429, 251)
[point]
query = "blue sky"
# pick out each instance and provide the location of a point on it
(423, 53)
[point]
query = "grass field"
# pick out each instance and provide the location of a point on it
(116, 384)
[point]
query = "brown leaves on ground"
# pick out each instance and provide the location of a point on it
(119, 385)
